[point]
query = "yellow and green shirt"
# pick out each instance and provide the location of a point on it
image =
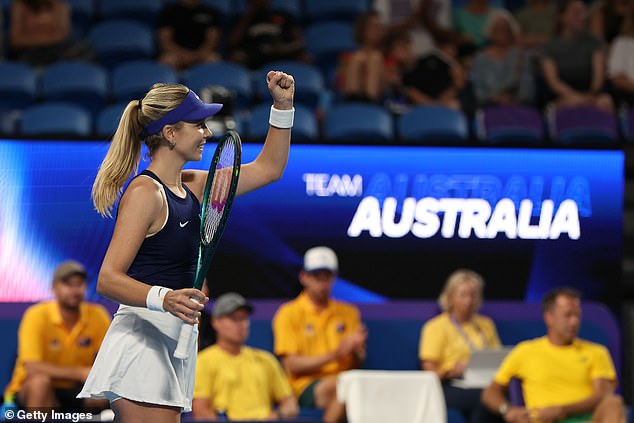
(300, 328)
(556, 375)
(245, 386)
(42, 337)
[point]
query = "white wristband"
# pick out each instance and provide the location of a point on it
(282, 119)
(155, 298)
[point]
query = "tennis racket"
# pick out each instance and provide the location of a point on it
(220, 189)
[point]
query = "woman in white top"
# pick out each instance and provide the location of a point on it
(621, 60)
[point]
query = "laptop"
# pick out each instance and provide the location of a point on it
(482, 368)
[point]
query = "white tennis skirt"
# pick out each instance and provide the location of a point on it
(136, 361)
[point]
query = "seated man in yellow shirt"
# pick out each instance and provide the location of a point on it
(318, 337)
(57, 344)
(237, 381)
(564, 378)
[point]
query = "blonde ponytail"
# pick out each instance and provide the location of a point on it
(124, 154)
(122, 159)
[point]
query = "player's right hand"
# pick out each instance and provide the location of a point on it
(186, 304)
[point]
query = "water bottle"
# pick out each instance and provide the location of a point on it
(8, 409)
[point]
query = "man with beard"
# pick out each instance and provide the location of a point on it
(564, 378)
(318, 337)
(57, 344)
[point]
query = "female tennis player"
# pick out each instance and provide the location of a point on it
(150, 263)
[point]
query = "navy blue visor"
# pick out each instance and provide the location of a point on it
(191, 109)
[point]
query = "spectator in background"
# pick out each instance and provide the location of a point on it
(502, 72)
(607, 19)
(537, 21)
(57, 344)
(434, 79)
(448, 339)
(263, 35)
(317, 337)
(188, 33)
(621, 61)
(363, 70)
(573, 63)
(470, 19)
(422, 19)
(40, 32)
(237, 381)
(564, 378)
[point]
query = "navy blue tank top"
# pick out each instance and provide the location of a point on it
(169, 257)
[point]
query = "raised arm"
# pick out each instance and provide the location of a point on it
(269, 165)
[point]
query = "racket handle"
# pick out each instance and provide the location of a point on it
(184, 339)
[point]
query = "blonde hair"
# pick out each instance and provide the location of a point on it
(456, 279)
(124, 154)
(510, 20)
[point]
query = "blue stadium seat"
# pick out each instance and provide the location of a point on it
(325, 41)
(132, 80)
(9, 121)
(290, 7)
(85, 84)
(304, 128)
(432, 124)
(353, 122)
(118, 41)
(82, 15)
(627, 124)
(309, 82)
(234, 77)
(582, 125)
(143, 11)
(347, 10)
(509, 125)
(18, 85)
(56, 119)
(225, 8)
(108, 119)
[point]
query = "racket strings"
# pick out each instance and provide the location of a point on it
(220, 189)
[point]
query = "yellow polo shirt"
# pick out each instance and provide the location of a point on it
(42, 337)
(299, 328)
(441, 341)
(245, 386)
(556, 375)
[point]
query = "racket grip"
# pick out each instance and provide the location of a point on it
(184, 339)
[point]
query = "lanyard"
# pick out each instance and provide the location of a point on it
(464, 335)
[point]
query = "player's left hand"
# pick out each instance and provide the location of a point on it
(282, 89)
